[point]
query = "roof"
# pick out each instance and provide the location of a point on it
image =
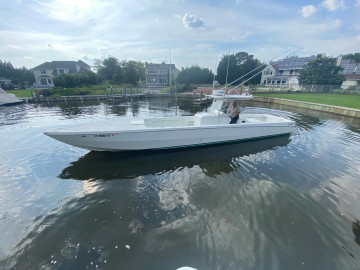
(160, 65)
(350, 67)
(71, 65)
(292, 63)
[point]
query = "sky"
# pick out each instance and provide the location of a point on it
(181, 31)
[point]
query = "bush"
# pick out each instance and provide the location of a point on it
(75, 80)
(186, 88)
(60, 91)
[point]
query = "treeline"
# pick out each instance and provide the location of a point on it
(110, 70)
(20, 77)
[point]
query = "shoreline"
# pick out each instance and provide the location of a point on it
(267, 100)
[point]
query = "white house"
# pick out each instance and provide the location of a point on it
(45, 72)
(4, 81)
(351, 72)
(158, 75)
(285, 73)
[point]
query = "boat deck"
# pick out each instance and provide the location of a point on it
(199, 120)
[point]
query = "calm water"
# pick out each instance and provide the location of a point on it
(289, 202)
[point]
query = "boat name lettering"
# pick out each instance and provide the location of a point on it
(102, 135)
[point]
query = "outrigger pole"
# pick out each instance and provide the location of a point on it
(258, 72)
(261, 66)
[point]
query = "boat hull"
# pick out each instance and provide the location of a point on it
(165, 138)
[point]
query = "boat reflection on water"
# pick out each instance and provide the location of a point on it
(212, 160)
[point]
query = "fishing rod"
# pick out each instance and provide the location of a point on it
(258, 72)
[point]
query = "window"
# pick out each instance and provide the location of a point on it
(49, 81)
(291, 72)
(152, 70)
(61, 71)
(43, 71)
(163, 71)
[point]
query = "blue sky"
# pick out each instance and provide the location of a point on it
(36, 31)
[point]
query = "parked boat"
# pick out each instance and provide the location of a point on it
(204, 128)
(8, 99)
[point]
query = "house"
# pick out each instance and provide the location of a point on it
(4, 81)
(284, 73)
(158, 75)
(45, 72)
(351, 72)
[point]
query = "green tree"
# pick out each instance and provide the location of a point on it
(195, 75)
(109, 69)
(353, 56)
(133, 71)
(321, 71)
(19, 76)
(239, 64)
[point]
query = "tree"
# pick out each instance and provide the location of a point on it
(195, 75)
(239, 64)
(353, 56)
(133, 71)
(109, 69)
(19, 76)
(321, 71)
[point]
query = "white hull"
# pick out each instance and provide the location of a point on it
(8, 99)
(175, 132)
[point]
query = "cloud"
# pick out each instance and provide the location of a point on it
(191, 21)
(357, 4)
(333, 5)
(308, 10)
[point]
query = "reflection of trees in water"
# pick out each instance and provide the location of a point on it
(213, 160)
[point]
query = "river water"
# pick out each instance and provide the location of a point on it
(289, 202)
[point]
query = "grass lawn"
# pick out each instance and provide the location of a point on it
(20, 93)
(349, 101)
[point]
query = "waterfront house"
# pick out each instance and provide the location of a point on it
(351, 71)
(45, 72)
(4, 81)
(158, 75)
(284, 73)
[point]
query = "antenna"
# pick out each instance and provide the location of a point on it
(217, 54)
(227, 69)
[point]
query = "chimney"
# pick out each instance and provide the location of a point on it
(339, 59)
